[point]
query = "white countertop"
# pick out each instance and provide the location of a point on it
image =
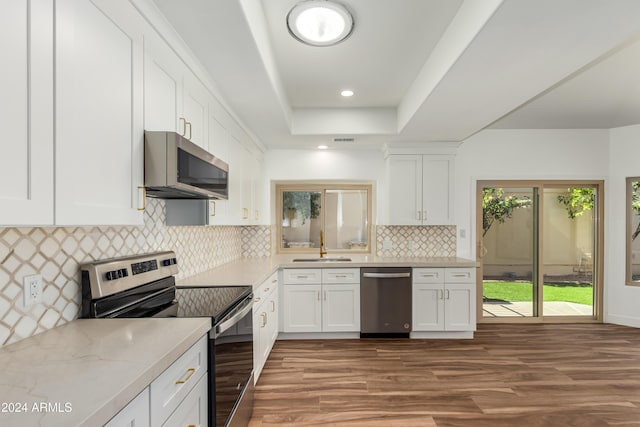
(254, 271)
(88, 370)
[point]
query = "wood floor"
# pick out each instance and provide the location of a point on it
(509, 375)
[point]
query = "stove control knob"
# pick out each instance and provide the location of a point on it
(111, 275)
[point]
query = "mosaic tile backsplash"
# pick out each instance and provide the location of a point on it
(57, 252)
(416, 241)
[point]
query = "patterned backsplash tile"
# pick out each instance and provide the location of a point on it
(57, 252)
(416, 241)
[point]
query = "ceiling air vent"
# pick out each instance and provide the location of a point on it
(344, 139)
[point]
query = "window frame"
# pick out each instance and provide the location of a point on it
(321, 187)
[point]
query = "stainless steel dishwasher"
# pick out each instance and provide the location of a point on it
(385, 302)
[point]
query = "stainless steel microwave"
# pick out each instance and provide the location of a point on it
(176, 168)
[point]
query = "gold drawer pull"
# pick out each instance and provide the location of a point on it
(190, 373)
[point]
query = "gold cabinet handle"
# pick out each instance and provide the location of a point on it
(188, 123)
(184, 126)
(273, 306)
(144, 197)
(190, 373)
(212, 208)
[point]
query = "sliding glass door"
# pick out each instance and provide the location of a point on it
(538, 249)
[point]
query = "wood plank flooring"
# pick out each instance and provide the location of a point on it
(585, 375)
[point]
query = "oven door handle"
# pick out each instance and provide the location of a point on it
(223, 326)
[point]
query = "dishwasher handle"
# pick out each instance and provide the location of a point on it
(386, 275)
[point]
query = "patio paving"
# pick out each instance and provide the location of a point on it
(525, 309)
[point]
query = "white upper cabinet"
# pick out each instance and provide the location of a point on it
(420, 189)
(99, 112)
(163, 71)
(26, 113)
(175, 100)
(195, 110)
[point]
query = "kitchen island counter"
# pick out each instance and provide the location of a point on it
(83, 373)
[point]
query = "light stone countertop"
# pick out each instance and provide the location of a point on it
(89, 369)
(254, 271)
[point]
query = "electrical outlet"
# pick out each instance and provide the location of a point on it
(32, 289)
(387, 245)
(463, 233)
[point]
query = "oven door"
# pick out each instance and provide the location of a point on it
(231, 355)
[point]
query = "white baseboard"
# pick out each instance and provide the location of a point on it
(623, 320)
(442, 335)
(318, 335)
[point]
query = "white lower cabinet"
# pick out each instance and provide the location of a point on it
(178, 397)
(331, 304)
(265, 322)
(135, 414)
(444, 299)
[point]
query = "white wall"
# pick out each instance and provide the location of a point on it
(323, 165)
(621, 302)
(522, 154)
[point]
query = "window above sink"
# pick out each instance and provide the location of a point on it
(340, 212)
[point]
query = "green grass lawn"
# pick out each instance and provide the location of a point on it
(521, 291)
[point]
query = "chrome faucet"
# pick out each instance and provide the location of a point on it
(323, 251)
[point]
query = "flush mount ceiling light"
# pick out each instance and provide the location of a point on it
(319, 22)
(346, 93)
(322, 147)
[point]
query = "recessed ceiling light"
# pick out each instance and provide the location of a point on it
(323, 147)
(319, 22)
(346, 93)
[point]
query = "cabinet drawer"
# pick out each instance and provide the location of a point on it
(460, 275)
(171, 387)
(302, 276)
(340, 275)
(265, 289)
(428, 275)
(193, 411)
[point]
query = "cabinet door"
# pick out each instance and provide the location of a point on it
(135, 414)
(428, 307)
(99, 112)
(302, 308)
(460, 307)
(273, 318)
(196, 110)
(219, 147)
(236, 176)
(258, 325)
(405, 189)
(341, 308)
(26, 113)
(193, 411)
(163, 71)
(437, 191)
(247, 186)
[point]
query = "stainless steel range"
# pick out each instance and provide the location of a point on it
(144, 286)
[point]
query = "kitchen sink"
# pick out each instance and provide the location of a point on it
(321, 259)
